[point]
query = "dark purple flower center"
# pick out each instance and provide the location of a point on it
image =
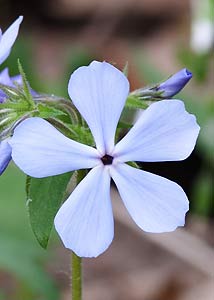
(107, 159)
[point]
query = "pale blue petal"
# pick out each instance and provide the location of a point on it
(4, 55)
(5, 78)
(99, 92)
(17, 79)
(8, 38)
(155, 203)
(40, 150)
(85, 221)
(164, 132)
(5, 155)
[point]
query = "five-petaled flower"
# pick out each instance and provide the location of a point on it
(164, 132)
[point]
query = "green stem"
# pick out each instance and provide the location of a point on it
(76, 261)
(76, 278)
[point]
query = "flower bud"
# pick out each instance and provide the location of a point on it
(174, 84)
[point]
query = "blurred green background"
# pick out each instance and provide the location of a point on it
(52, 43)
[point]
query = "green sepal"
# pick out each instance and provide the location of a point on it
(133, 164)
(12, 93)
(124, 125)
(75, 132)
(46, 112)
(11, 113)
(68, 112)
(44, 198)
(126, 69)
(18, 106)
(25, 85)
(83, 135)
(135, 103)
(122, 129)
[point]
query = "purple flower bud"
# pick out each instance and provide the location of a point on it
(5, 155)
(174, 84)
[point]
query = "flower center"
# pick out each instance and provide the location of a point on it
(107, 159)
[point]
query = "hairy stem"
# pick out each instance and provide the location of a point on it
(76, 278)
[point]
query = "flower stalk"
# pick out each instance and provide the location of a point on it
(76, 277)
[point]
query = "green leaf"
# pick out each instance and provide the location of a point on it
(44, 198)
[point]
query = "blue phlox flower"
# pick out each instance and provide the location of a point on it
(8, 38)
(164, 132)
